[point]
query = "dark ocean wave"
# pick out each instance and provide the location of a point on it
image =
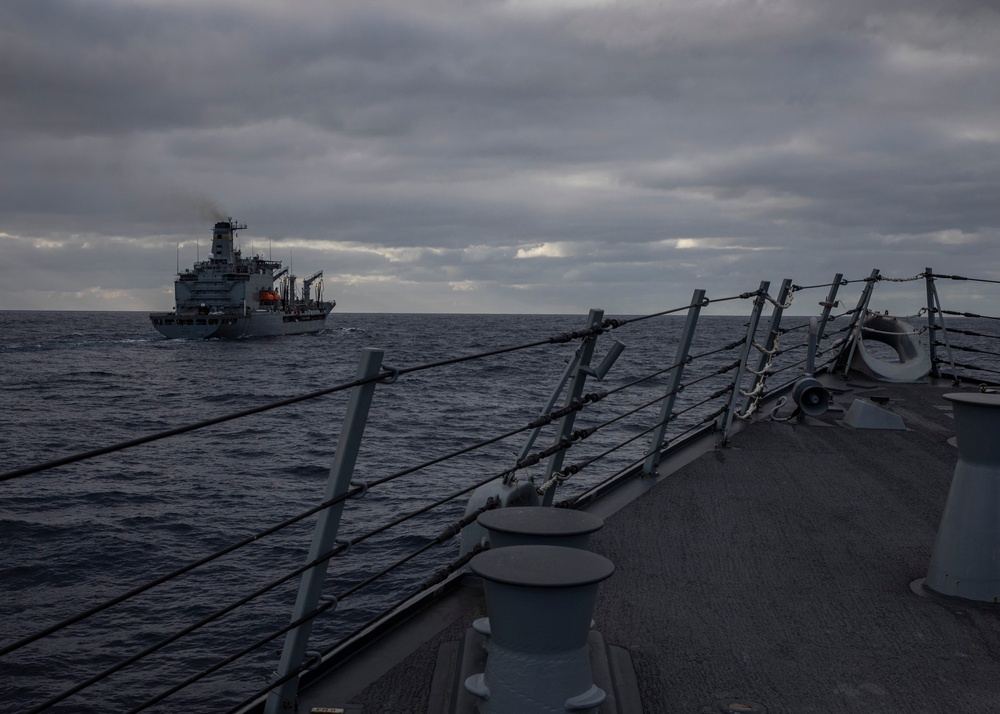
(74, 536)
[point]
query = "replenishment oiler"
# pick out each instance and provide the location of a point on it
(229, 296)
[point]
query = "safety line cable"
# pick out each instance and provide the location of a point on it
(583, 498)
(967, 349)
(73, 458)
(7, 649)
(243, 601)
(967, 314)
(620, 321)
(188, 630)
(796, 288)
(580, 466)
(971, 333)
(959, 277)
(443, 538)
(669, 418)
(968, 366)
(387, 373)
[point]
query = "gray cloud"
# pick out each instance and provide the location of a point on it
(539, 156)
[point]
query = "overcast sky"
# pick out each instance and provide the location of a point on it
(490, 156)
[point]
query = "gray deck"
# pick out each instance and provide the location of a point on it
(776, 571)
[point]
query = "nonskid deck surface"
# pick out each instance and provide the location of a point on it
(776, 574)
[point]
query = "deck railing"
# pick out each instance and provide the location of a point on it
(616, 420)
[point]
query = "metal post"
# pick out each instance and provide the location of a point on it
(585, 351)
(828, 304)
(772, 337)
(547, 409)
(667, 406)
(338, 482)
(856, 322)
(726, 418)
(931, 326)
(944, 335)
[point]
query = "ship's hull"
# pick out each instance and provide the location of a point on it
(223, 326)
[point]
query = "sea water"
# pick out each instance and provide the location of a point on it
(77, 535)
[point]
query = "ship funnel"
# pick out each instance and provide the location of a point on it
(964, 563)
(222, 242)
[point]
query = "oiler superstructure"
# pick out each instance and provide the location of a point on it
(229, 296)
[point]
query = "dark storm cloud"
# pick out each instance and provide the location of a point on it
(538, 155)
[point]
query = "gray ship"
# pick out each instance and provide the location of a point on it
(229, 296)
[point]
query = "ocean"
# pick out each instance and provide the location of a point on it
(77, 535)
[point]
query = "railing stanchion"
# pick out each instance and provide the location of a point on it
(769, 344)
(283, 697)
(857, 321)
(934, 308)
(828, 305)
(585, 352)
(726, 418)
(931, 326)
(667, 406)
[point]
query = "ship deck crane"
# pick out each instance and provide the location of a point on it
(307, 284)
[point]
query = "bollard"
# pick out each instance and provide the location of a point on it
(540, 599)
(539, 525)
(965, 560)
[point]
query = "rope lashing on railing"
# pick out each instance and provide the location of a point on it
(757, 393)
(778, 304)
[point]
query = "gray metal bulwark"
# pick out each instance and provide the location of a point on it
(282, 699)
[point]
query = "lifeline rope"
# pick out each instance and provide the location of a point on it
(757, 392)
